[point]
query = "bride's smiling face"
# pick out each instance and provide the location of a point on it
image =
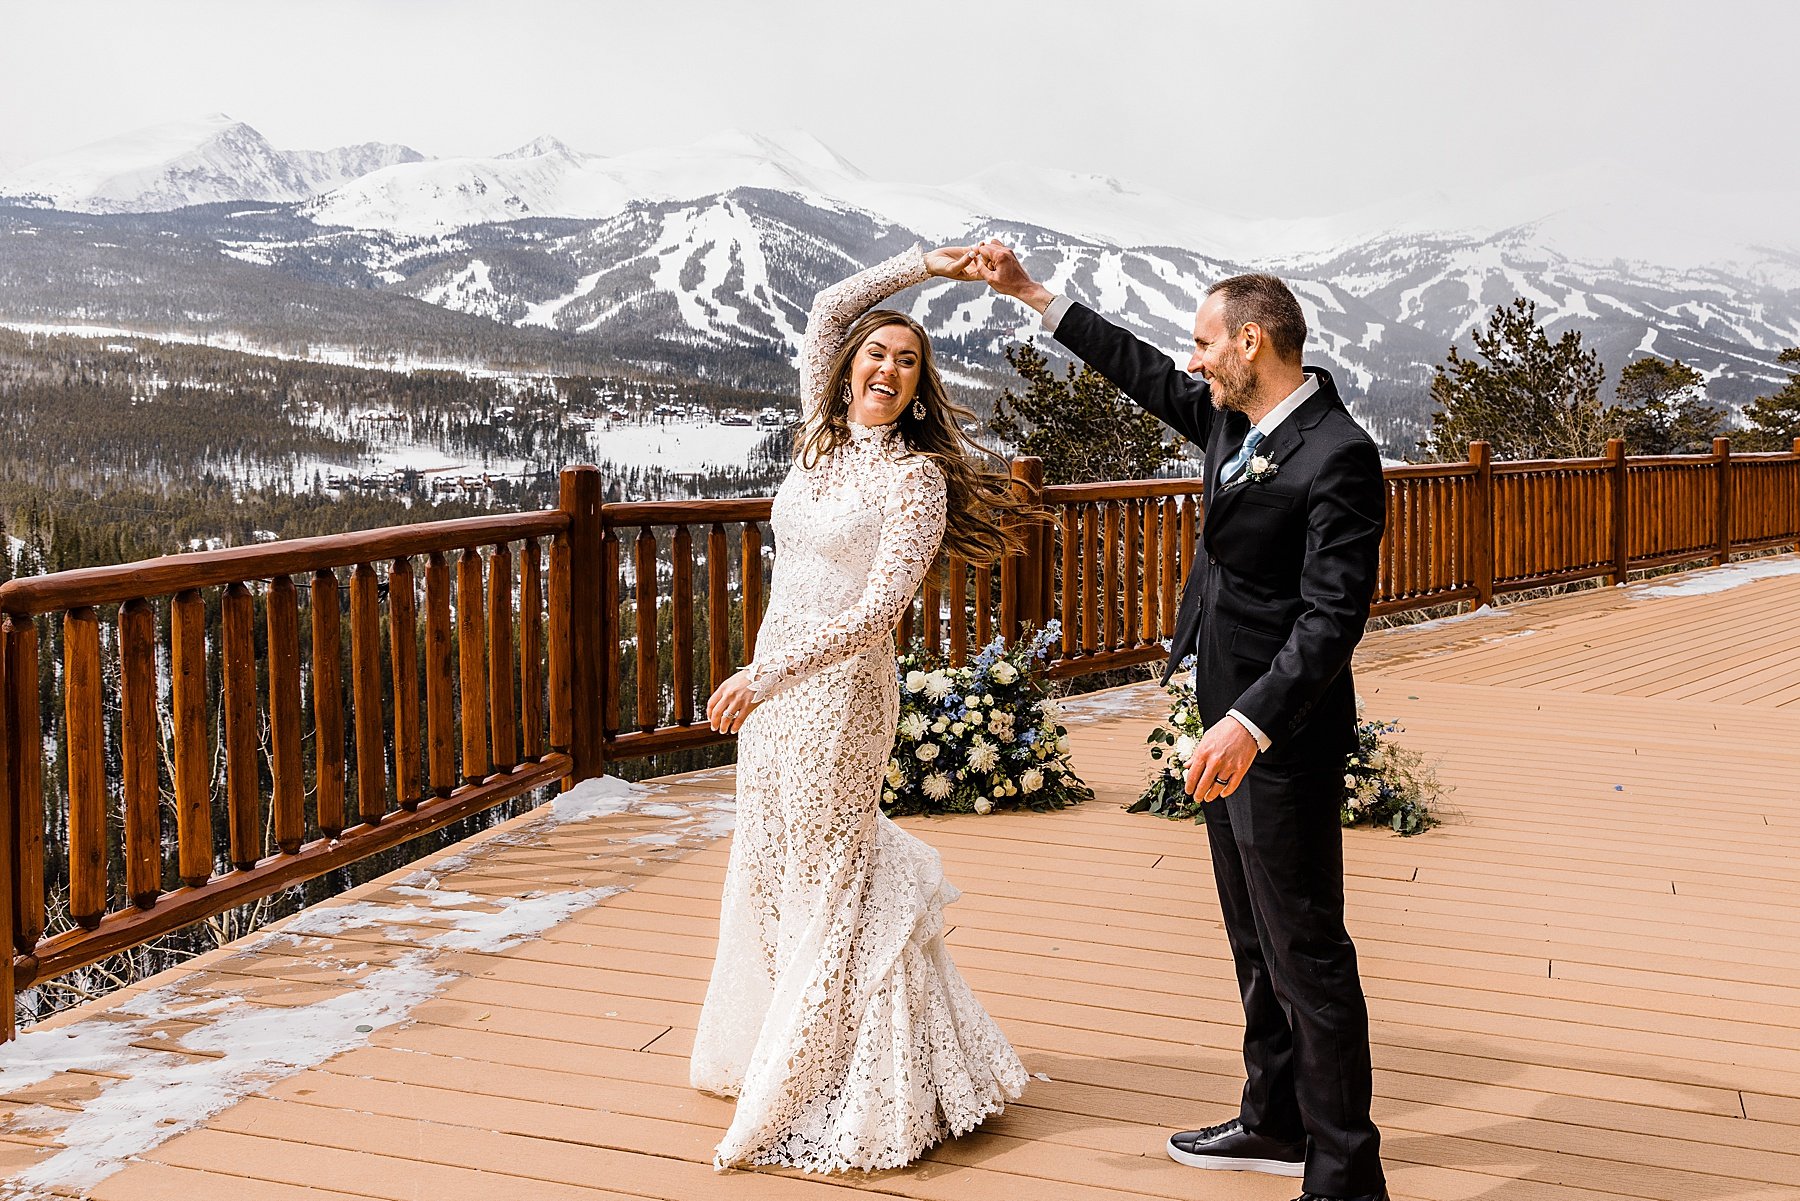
(884, 376)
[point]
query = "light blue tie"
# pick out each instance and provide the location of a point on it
(1239, 461)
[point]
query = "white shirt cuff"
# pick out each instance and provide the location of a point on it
(1053, 315)
(1262, 739)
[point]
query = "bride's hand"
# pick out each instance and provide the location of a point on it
(727, 708)
(953, 262)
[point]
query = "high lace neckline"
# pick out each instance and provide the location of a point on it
(875, 435)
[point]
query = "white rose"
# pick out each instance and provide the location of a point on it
(936, 786)
(1259, 464)
(927, 752)
(1005, 672)
(975, 718)
(987, 698)
(895, 777)
(1062, 745)
(1184, 747)
(957, 728)
(983, 805)
(941, 724)
(887, 796)
(970, 701)
(915, 681)
(1349, 781)
(1032, 780)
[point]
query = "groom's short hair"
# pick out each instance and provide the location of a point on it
(1268, 302)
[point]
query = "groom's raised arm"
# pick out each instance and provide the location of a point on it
(1134, 366)
(1138, 369)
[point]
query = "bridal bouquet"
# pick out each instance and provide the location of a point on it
(1385, 784)
(980, 737)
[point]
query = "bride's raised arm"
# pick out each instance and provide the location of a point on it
(836, 308)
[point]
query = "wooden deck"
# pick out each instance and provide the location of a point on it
(1586, 986)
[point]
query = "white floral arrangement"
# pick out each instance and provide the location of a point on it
(980, 737)
(1385, 783)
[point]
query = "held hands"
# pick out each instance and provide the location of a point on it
(727, 708)
(1001, 268)
(953, 262)
(1220, 761)
(993, 263)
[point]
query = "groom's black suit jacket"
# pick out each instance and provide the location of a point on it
(1280, 589)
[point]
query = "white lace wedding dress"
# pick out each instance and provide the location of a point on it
(834, 1014)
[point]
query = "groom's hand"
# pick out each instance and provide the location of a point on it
(1007, 276)
(1220, 762)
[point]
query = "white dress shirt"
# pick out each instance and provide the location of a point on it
(1271, 421)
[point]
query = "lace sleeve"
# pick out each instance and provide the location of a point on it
(911, 529)
(842, 303)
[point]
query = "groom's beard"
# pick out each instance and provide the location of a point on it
(1233, 385)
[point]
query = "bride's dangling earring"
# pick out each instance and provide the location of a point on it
(918, 409)
(845, 396)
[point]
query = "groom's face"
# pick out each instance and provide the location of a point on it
(1218, 357)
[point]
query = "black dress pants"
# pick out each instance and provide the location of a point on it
(1278, 859)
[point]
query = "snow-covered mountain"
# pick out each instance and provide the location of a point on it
(702, 260)
(181, 163)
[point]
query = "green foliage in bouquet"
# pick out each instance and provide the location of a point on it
(980, 737)
(1385, 784)
(1171, 746)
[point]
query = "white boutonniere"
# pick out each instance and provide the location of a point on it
(1261, 468)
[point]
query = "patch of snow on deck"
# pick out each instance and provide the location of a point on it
(1719, 579)
(1439, 623)
(1133, 700)
(152, 1095)
(481, 928)
(600, 797)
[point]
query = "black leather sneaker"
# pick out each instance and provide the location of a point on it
(1229, 1147)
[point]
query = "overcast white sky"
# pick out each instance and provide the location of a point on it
(1278, 108)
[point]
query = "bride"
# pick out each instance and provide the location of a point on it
(834, 1014)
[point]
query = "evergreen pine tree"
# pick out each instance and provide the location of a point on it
(1773, 422)
(1529, 397)
(1662, 409)
(1078, 423)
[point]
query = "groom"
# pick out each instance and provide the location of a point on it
(1275, 604)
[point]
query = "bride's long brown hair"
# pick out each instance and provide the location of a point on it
(984, 512)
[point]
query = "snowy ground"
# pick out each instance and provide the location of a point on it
(676, 446)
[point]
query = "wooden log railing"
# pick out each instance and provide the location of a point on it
(489, 656)
(186, 691)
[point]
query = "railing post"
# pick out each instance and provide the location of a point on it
(1793, 514)
(1621, 510)
(580, 499)
(1481, 536)
(1722, 453)
(1021, 575)
(9, 811)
